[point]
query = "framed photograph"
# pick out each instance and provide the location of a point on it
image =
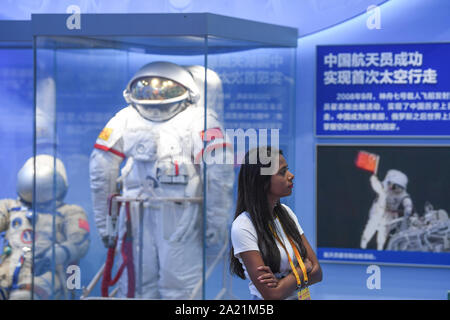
(383, 204)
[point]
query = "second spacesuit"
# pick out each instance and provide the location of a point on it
(162, 137)
(67, 223)
(392, 202)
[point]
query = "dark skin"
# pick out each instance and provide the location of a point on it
(262, 277)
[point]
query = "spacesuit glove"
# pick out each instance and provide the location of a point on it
(43, 259)
(42, 265)
(108, 242)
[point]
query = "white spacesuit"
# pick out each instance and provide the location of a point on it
(392, 202)
(70, 228)
(161, 135)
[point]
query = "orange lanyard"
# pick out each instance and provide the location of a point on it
(297, 255)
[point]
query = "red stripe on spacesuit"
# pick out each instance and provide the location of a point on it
(209, 149)
(105, 148)
(177, 168)
(211, 134)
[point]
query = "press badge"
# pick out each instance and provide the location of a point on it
(303, 294)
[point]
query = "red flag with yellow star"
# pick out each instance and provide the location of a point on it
(367, 161)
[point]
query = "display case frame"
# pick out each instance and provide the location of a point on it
(15, 35)
(190, 34)
(16, 115)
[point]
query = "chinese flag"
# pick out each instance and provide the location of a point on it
(367, 161)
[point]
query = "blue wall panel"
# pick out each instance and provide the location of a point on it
(401, 21)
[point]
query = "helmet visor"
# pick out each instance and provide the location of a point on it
(156, 89)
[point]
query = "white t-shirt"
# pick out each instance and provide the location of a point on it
(244, 238)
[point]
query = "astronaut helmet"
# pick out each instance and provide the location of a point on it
(395, 180)
(160, 90)
(214, 87)
(51, 183)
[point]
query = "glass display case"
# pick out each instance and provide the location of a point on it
(150, 115)
(16, 109)
(16, 143)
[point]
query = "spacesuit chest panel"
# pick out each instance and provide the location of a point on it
(394, 202)
(160, 152)
(20, 231)
(174, 157)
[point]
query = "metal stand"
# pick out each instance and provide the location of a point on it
(112, 227)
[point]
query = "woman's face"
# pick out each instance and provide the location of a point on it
(281, 182)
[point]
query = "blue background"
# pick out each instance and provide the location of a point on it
(401, 22)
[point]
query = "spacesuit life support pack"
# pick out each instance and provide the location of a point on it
(16, 219)
(162, 137)
(391, 203)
